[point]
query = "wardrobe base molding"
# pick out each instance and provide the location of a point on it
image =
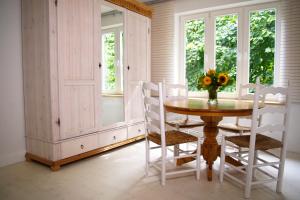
(55, 165)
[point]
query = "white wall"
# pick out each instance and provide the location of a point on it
(12, 130)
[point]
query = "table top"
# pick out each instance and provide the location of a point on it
(200, 107)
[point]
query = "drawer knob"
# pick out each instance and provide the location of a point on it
(139, 130)
(114, 137)
(82, 146)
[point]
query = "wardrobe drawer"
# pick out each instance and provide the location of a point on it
(78, 146)
(111, 137)
(136, 130)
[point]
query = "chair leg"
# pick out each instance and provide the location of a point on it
(280, 171)
(147, 157)
(163, 165)
(222, 160)
(176, 152)
(240, 148)
(254, 163)
(249, 174)
(198, 159)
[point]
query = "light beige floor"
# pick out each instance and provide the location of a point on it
(119, 175)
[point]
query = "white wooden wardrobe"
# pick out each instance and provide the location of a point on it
(62, 78)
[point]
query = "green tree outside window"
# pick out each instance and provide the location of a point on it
(262, 47)
(194, 52)
(109, 62)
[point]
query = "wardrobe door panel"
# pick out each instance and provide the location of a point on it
(137, 60)
(78, 57)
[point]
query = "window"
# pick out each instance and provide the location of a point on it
(226, 46)
(262, 46)
(239, 41)
(194, 51)
(112, 57)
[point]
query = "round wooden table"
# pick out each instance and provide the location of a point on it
(211, 115)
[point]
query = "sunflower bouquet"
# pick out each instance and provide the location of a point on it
(212, 81)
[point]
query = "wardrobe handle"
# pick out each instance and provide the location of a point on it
(100, 65)
(128, 67)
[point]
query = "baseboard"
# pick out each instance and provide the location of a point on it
(12, 158)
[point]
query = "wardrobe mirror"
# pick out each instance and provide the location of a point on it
(112, 79)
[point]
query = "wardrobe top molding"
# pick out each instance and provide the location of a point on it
(134, 6)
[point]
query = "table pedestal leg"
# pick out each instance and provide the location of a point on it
(210, 147)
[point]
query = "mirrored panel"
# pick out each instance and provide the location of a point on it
(112, 80)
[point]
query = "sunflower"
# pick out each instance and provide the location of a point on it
(211, 72)
(206, 80)
(223, 78)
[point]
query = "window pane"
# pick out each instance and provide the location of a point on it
(109, 68)
(226, 47)
(262, 46)
(194, 51)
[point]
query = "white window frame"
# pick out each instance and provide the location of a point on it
(243, 48)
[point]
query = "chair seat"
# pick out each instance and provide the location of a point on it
(173, 137)
(262, 142)
(183, 123)
(234, 128)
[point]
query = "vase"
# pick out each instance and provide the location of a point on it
(212, 97)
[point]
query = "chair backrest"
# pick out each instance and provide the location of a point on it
(244, 93)
(175, 91)
(154, 109)
(259, 111)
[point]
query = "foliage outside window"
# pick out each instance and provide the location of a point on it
(109, 62)
(262, 26)
(262, 46)
(226, 47)
(194, 51)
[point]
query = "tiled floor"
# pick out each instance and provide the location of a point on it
(119, 175)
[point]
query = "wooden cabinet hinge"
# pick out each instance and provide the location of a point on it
(55, 2)
(58, 122)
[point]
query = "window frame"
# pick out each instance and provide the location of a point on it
(243, 44)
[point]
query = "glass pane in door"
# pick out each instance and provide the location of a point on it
(226, 27)
(194, 31)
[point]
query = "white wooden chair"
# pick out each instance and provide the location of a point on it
(173, 92)
(244, 94)
(156, 133)
(257, 142)
(179, 92)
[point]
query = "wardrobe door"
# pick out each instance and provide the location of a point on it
(137, 63)
(78, 31)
